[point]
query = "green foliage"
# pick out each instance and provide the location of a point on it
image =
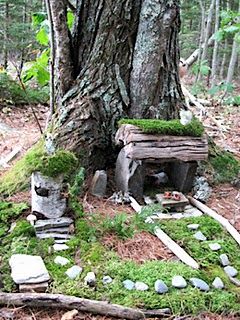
(120, 225)
(171, 127)
(229, 25)
(22, 229)
(36, 159)
(201, 68)
(75, 189)
(234, 100)
(12, 93)
(223, 87)
(9, 211)
(38, 69)
(225, 166)
(70, 19)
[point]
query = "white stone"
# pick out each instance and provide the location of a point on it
(90, 279)
(193, 226)
(217, 283)
(47, 196)
(141, 286)
(214, 246)
(200, 236)
(60, 247)
(28, 269)
(73, 272)
(107, 280)
(61, 260)
(179, 282)
(99, 183)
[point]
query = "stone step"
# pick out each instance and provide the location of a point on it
(62, 230)
(53, 235)
(53, 223)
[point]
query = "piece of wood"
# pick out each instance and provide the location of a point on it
(61, 301)
(175, 248)
(135, 205)
(170, 203)
(4, 161)
(69, 302)
(223, 221)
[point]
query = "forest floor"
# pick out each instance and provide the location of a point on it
(18, 128)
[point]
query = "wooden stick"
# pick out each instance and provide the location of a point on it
(135, 205)
(176, 249)
(69, 302)
(223, 221)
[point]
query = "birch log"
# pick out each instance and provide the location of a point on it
(223, 221)
(176, 249)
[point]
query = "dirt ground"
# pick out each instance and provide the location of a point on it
(18, 128)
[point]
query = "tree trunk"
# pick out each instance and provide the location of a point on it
(207, 34)
(215, 48)
(124, 56)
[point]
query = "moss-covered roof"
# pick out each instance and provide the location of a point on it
(169, 127)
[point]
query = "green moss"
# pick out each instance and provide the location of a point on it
(170, 127)
(36, 159)
(225, 166)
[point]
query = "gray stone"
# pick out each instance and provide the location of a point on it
(60, 247)
(235, 281)
(218, 283)
(90, 279)
(61, 260)
(63, 230)
(129, 174)
(182, 175)
(28, 269)
(61, 241)
(200, 236)
(199, 284)
(47, 196)
(107, 280)
(179, 282)
(201, 189)
(53, 235)
(193, 226)
(99, 183)
(214, 246)
(128, 284)
(141, 286)
(230, 271)
(160, 287)
(224, 260)
(33, 287)
(73, 272)
(41, 225)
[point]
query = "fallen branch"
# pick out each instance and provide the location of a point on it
(69, 302)
(223, 221)
(176, 249)
(4, 161)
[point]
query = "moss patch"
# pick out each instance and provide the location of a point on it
(36, 159)
(170, 127)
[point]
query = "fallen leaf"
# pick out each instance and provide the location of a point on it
(69, 315)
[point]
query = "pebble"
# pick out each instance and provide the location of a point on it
(61, 260)
(60, 247)
(73, 272)
(199, 284)
(224, 260)
(235, 281)
(90, 279)
(160, 287)
(141, 286)
(230, 271)
(200, 236)
(129, 284)
(193, 226)
(107, 280)
(218, 283)
(214, 246)
(179, 282)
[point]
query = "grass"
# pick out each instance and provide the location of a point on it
(86, 248)
(18, 177)
(170, 127)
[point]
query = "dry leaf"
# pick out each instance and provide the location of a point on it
(69, 315)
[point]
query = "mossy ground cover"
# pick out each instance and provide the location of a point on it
(170, 127)
(36, 159)
(86, 249)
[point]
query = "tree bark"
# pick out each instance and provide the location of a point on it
(125, 55)
(215, 48)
